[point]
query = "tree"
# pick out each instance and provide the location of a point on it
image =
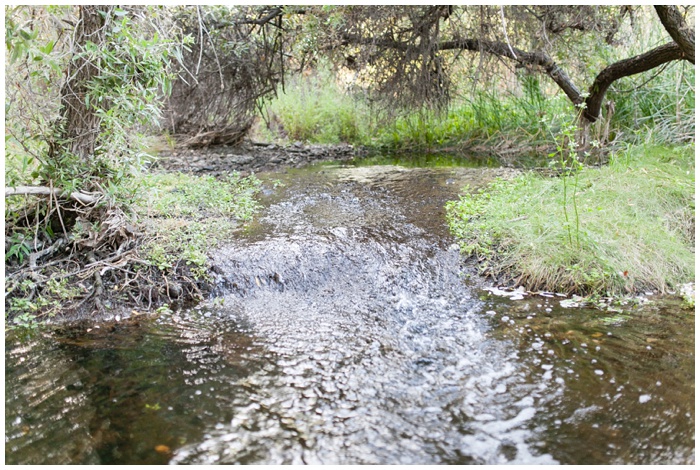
(681, 33)
(79, 83)
(78, 126)
(80, 80)
(237, 58)
(410, 44)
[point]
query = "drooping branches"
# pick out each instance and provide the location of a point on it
(237, 58)
(393, 43)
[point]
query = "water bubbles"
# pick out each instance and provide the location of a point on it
(598, 372)
(644, 398)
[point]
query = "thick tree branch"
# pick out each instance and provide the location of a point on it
(502, 49)
(540, 59)
(625, 68)
(676, 27)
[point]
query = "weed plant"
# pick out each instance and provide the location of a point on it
(636, 226)
(657, 106)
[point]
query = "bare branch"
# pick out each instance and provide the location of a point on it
(625, 68)
(81, 197)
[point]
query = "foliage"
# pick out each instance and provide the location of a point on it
(636, 226)
(179, 218)
(519, 109)
(656, 106)
(314, 108)
(236, 58)
(133, 74)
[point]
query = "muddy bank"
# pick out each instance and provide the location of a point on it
(253, 157)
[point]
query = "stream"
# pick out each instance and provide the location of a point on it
(345, 331)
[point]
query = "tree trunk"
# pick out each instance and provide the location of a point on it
(684, 36)
(79, 124)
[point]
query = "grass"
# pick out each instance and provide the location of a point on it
(655, 106)
(636, 226)
(176, 219)
(183, 216)
(315, 109)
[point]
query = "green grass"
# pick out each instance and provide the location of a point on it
(635, 232)
(183, 216)
(657, 106)
(315, 109)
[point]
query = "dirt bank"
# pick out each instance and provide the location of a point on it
(253, 157)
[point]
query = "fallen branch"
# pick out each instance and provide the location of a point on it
(84, 198)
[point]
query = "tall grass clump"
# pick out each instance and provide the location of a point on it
(314, 108)
(635, 230)
(658, 106)
(482, 116)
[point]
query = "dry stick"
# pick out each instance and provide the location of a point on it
(83, 198)
(60, 217)
(97, 291)
(34, 257)
(503, 21)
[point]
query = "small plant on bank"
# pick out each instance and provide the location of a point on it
(178, 219)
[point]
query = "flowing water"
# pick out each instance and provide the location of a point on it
(344, 332)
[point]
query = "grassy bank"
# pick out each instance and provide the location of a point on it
(171, 222)
(626, 227)
(182, 216)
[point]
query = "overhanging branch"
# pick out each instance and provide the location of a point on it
(625, 68)
(676, 27)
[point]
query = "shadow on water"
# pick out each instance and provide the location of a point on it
(344, 332)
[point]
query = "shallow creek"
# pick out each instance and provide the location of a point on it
(344, 332)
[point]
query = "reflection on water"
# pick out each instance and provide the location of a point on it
(345, 334)
(629, 380)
